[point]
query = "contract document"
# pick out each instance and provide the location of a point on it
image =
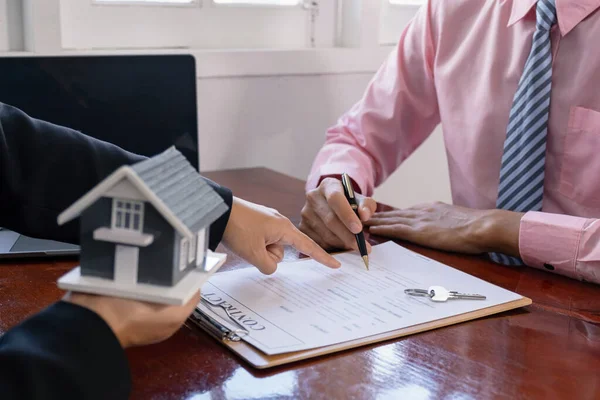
(305, 305)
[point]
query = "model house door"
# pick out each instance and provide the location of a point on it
(126, 264)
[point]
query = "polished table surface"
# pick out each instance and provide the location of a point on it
(549, 350)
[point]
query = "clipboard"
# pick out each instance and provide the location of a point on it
(230, 339)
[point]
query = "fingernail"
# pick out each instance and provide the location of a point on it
(355, 228)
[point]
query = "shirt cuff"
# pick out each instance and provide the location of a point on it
(362, 179)
(551, 241)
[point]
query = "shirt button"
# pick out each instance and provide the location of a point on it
(549, 267)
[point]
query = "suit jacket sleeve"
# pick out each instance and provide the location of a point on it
(64, 352)
(44, 168)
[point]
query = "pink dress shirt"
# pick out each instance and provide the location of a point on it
(458, 63)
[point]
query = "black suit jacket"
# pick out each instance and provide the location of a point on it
(66, 351)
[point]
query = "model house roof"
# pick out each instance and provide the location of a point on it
(171, 184)
(173, 179)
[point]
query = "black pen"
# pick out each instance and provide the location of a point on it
(360, 237)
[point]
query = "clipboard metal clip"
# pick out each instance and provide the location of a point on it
(216, 328)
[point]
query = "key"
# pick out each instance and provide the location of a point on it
(441, 294)
(466, 296)
(438, 293)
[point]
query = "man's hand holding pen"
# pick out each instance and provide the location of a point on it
(328, 218)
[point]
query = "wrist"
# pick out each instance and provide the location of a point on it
(355, 185)
(499, 231)
(96, 305)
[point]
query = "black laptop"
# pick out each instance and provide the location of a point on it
(142, 103)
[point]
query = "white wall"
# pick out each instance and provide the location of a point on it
(280, 122)
(263, 107)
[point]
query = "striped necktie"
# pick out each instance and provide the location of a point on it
(522, 172)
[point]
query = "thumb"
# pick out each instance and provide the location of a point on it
(265, 261)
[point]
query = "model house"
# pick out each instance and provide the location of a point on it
(147, 223)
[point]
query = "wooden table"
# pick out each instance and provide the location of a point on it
(549, 350)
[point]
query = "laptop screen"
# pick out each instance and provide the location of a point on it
(143, 104)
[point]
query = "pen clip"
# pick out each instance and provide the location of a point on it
(349, 192)
(347, 186)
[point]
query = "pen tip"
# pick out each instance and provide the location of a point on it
(366, 260)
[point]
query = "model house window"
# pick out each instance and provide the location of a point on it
(128, 214)
(200, 244)
(192, 253)
(184, 250)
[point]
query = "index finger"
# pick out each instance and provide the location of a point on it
(306, 245)
(334, 193)
(367, 207)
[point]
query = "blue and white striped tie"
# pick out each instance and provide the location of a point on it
(522, 171)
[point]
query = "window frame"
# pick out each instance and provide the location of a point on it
(199, 25)
(124, 211)
(146, 3)
(201, 246)
(348, 46)
(191, 3)
(192, 250)
(184, 249)
(214, 3)
(406, 3)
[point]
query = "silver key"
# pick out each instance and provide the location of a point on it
(438, 293)
(441, 294)
(466, 296)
